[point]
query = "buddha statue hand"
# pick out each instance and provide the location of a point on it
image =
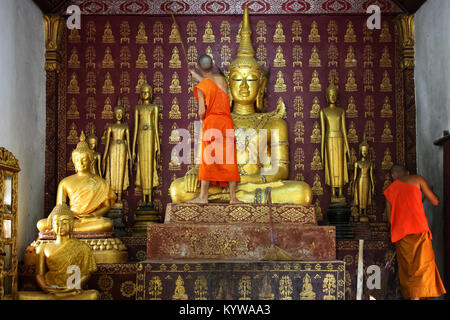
(191, 182)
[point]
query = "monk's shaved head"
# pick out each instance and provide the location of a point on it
(205, 63)
(398, 171)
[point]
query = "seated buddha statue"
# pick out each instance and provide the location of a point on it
(90, 195)
(247, 82)
(56, 258)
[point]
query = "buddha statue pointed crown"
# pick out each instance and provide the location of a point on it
(83, 147)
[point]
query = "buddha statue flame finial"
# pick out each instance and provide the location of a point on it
(83, 146)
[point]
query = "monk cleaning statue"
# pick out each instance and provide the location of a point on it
(417, 271)
(219, 163)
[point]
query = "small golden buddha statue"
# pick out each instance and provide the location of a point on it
(175, 61)
(208, 51)
(353, 158)
(175, 137)
(142, 62)
(108, 87)
(317, 186)
(56, 260)
(116, 164)
(247, 83)
(175, 85)
(180, 291)
(108, 36)
(142, 79)
(175, 36)
(386, 136)
(314, 61)
(334, 145)
(316, 163)
(385, 35)
(141, 36)
(315, 85)
(307, 289)
(92, 141)
(387, 163)
(280, 85)
(74, 61)
(352, 135)
(386, 111)
(108, 61)
(315, 110)
(319, 215)
(146, 138)
(90, 196)
(107, 113)
(385, 61)
(279, 60)
(350, 60)
(351, 85)
(73, 85)
(73, 138)
(351, 111)
(350, 35)
(363, 183)
(386, 85)
(174, 112)
(279, 36)
(316, 133)
(208, 36)
(73, 112)
(314, 34)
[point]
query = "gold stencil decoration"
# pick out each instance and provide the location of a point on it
(297, 79)
(73, 85)
(72, 138)
(350, 60)
(261, 31)
(225, 31)
(266, 290)
(316, 135)
(315, 109)
(350, 35)
(280, 86)
(319, 215)
(317, 186)
(91, 82)
(158, 82)
(245, 287)
(261, 55)
(386, 136)
(297, 56)
(298, 106)
(315, 85)
(191, 30)
(351, 85)
(174, 164)
(200, 288)
(368, 56)
(386, 111)
(175, 110)
(125, 57)
(174, 135)
(74, 61)
(297, 31)
(126, 106)
(91, 32)
(125, 82)
(175, 36)
(73, 113)
(74, 36)
(279, 60)
(108, 87)
(385, 35)
(238, 36)
(141, 62)
(158, 101)
(175, 86)
(386, 85)
(90, 108)
(314, 61)
(208, 36)
(279, 36)
(107, 113)
(225, 56)
(314, 35)
(307, 292)
(125, 32)
(299, 131)
(90, 57)
(191, 83)
(367, 34)
(332, 31)
(299, 177)
(192, 108)
(316, 163)
(385, 61)
(192, 55)
(158, 57)
(142, 78)
(333, 78)
(158, 31)
(333, 55)
(180, 291)
(108, 62)
(175, 61)
(369, 106)
(387, 163)
(368, 79)
(351, 111)
(108, 36)
(329, 287)
(352, 136)
(299, 158)
(286, 288)
(369, 130)
(141, 36)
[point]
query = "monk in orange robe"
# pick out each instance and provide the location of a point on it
(417, 270)
(219, 159)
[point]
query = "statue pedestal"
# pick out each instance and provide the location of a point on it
(362, 230)
(116, 215)
(338, 215)
(144, 216)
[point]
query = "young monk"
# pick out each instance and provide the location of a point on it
(417, 271)
(218, 132)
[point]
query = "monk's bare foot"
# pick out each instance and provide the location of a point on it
(235, 201)
(199, 201)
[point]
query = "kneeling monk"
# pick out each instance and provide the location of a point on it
(219, 163)
(417, 271)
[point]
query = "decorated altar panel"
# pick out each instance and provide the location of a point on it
(111, 55)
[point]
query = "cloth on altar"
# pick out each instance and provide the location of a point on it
(219, 159)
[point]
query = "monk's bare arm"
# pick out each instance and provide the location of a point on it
(427, 192)
(388, 210)
(201, 105)
(196, 76)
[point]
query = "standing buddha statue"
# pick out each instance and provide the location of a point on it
(363, 183)
(96, 164)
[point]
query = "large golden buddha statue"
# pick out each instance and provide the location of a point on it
(56, 262)
(247, 83)
(90, 195)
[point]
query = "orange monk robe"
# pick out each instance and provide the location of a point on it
(417, 270)
(219, 163)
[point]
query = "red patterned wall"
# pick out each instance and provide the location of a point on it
(335, 42)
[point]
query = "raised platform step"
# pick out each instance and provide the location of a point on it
(238, 242)
(239, 213)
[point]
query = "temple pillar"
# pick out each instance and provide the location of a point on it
(405, 31)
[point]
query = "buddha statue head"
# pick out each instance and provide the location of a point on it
(92, 141)
(247, 79)
(61, 220)
(146, 92)
(82, 156)
(364, 148)
(332, 94)
(119, 111)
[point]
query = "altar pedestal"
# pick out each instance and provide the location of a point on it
(144, 216)
(338, 215)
